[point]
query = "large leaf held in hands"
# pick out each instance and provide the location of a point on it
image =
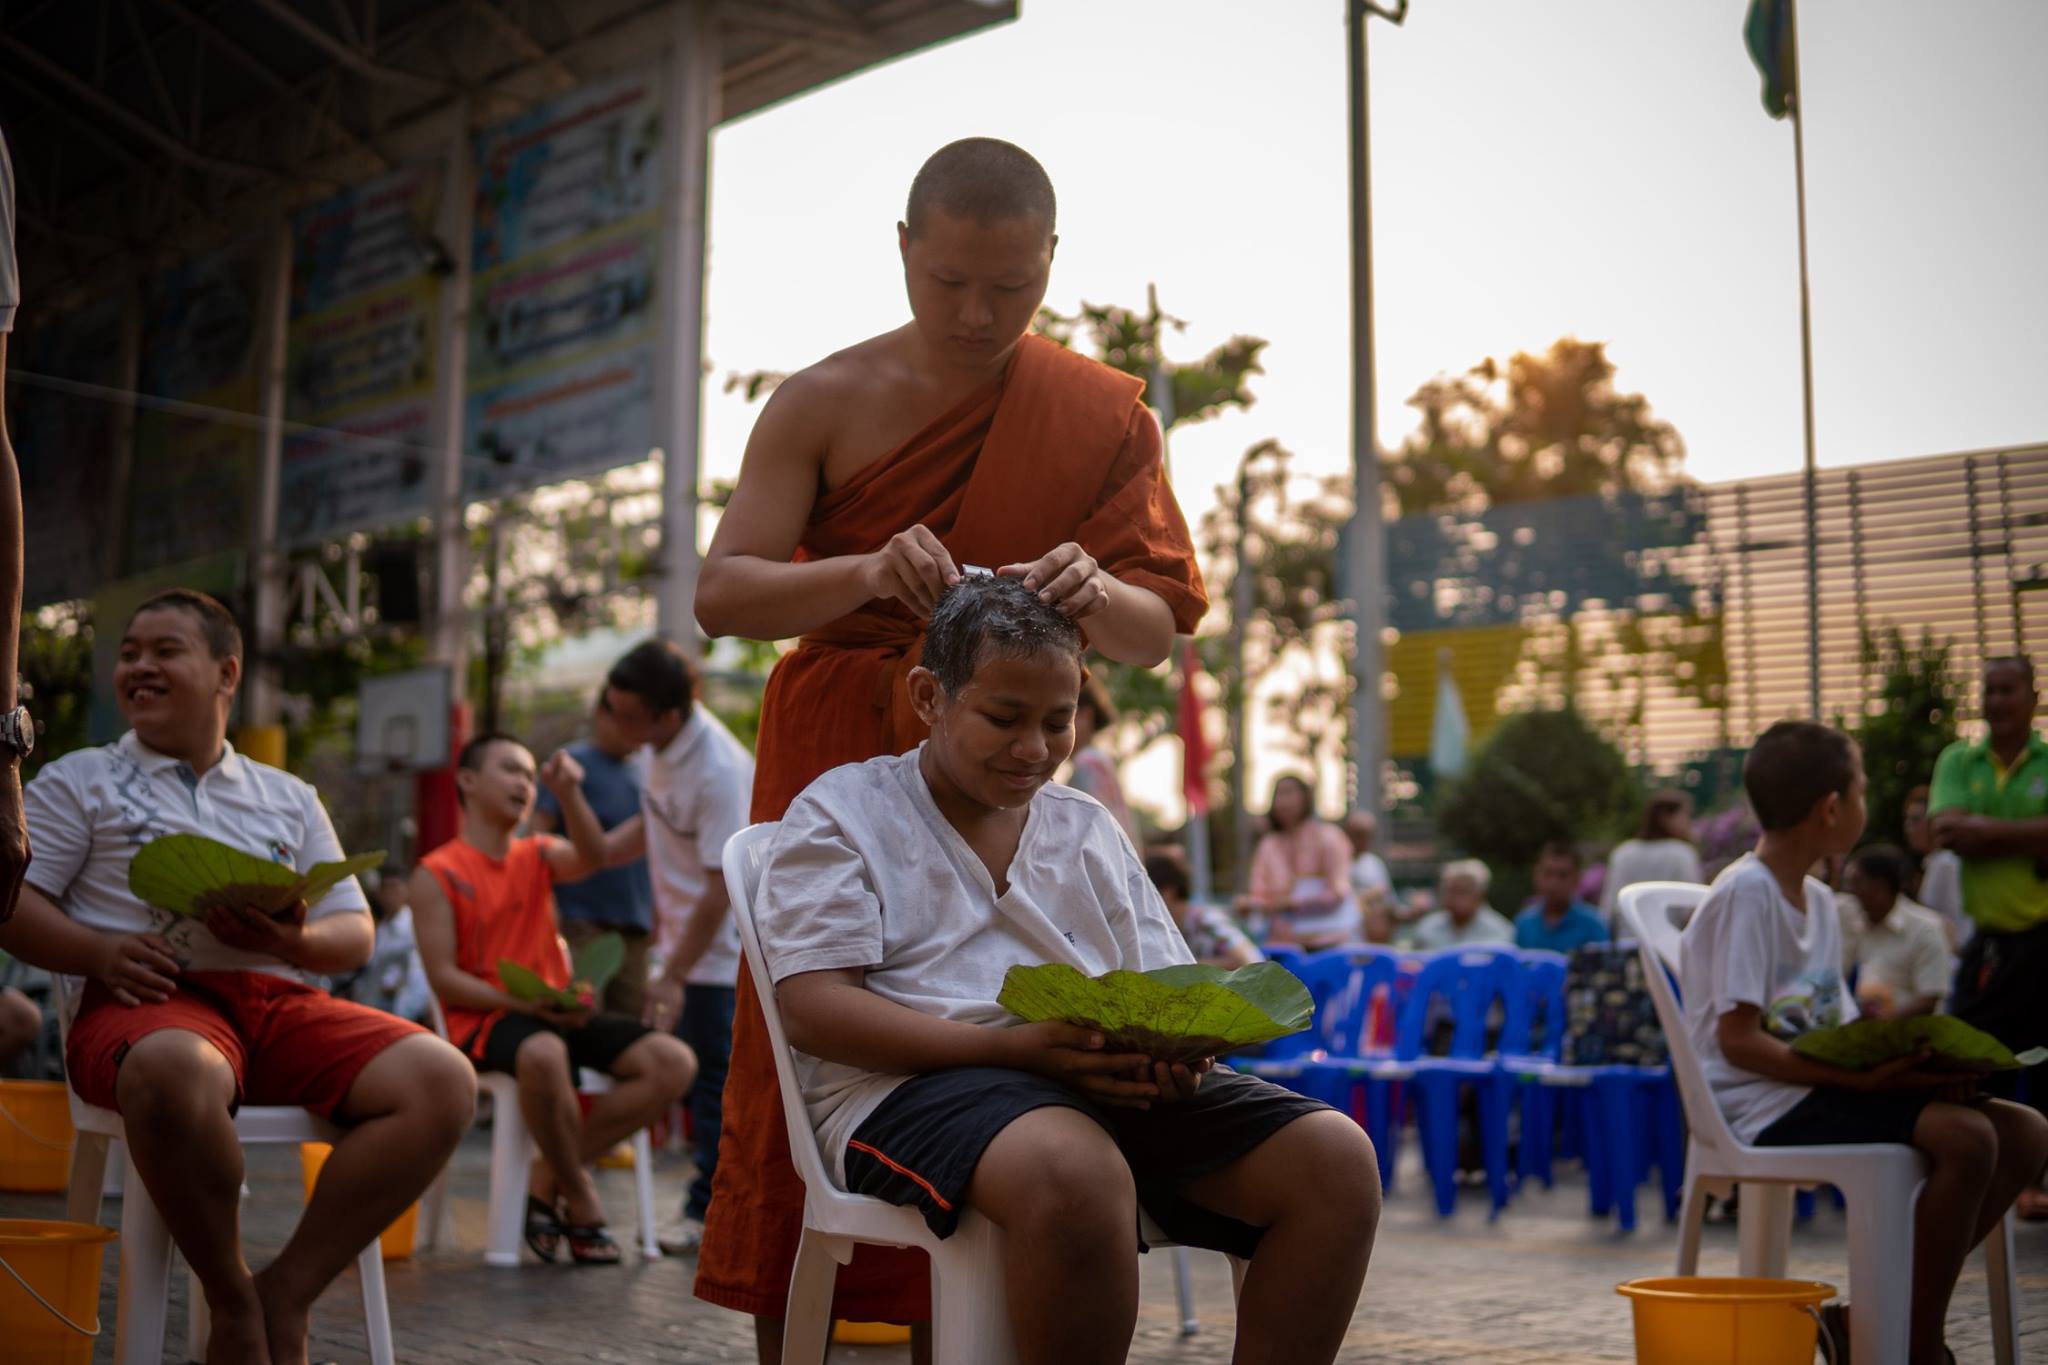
(592, 969)
(1173, 1014)
(1870, 1043)
(189, 874)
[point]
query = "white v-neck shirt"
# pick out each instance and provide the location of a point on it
(865, 872)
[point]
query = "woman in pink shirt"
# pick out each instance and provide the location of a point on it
(1301, 873)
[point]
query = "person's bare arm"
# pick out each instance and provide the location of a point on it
(834, 1016)
(747, 585)
(14, 849)
(585, 851)
(625, 842)
(328, 946)
(433, 926)
(707, 917)
(134, 967)
(1980, 836)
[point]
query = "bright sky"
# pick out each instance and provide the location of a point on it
(1596, 167)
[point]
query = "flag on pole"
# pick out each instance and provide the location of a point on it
(1194, 743)
(1449, 735)
(1767, 32)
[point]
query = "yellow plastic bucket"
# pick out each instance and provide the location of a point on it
(35, 1135)
(398, 1239)
(1696, 1320)
(869, 1333)
(50, 1290)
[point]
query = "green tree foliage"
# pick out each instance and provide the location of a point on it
(1127, 340)
(1907, 723)
(1541, 426)
(56, 676)
(1542, 775)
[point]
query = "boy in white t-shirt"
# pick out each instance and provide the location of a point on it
(897, 894)
(1761, 963)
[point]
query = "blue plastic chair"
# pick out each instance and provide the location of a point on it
(1326, 975)
(1343, 1062)
(1537, 1005)
(1470, 982)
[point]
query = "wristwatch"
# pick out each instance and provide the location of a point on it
(17, 732)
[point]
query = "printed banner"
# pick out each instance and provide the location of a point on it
(192, 484)
(360, 357)
(562, 324)
(65, 445)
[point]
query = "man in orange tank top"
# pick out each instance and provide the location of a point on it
(872, 479)
(487, 897)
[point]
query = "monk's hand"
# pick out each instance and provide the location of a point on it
(1078, 1058)
(1068, 578)
(913, 568)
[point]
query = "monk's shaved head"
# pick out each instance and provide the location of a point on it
(983, 179)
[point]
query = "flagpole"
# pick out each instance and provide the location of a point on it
(1798, 106)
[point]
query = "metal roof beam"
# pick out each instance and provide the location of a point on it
(132, 122)
(783, 21)
(257, 67)
(352, 59)
(146, 50)
(514, 32)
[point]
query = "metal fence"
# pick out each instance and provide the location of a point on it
(1678, 620)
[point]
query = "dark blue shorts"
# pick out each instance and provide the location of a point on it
(1828, 1116)
(920, 1146)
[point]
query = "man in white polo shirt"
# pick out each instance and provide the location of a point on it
(696, 795)
(182, 1020)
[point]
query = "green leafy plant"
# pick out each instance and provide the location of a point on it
(1174, 1014)
(592, 969)
(190, 874)
(1868, 1043)
(1906, 725)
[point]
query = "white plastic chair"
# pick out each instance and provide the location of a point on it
(511, 1156)
(1880, 1182)
(144, 1293)
(970, 1312)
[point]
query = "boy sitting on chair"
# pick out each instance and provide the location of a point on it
(184, 1020)
(1761, 963)
(894, 898)
(487, 897)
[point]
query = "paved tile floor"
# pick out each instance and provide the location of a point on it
(1533, 1288)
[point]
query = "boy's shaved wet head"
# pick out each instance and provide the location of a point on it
(983, 179)
(983, 616)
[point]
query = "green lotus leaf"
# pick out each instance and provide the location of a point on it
(189, 874)
(597, 962)
(523, 983)
(593, 968)
(1174, 1014)
(1869, 1043)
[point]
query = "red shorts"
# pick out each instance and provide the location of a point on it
(288, 1043)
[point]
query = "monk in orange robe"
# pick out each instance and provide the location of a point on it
(870, 481)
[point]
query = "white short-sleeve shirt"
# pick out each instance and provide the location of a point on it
(1908, 953)
(695, 795)
(866, 872)
(1748, 945)
(89, 811)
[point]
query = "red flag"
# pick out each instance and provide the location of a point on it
(1194, 744)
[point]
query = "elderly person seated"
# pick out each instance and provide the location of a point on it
(1462, 917)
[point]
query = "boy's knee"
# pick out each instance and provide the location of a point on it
(1338, 1172)
(1962, 1138)
(445, 1089)
(543, 1061)
(1086, 1189)
(2023, 1133)
(671, 1064)
(20, 1021)
(172, 1073)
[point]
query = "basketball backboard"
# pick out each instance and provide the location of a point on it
(402, 721)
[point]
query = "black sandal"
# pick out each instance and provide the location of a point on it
(591, 1244)
(543, 1229)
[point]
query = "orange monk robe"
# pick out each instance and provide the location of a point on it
(1059, 449)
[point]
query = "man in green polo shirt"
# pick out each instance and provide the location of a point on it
(1990, 804)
